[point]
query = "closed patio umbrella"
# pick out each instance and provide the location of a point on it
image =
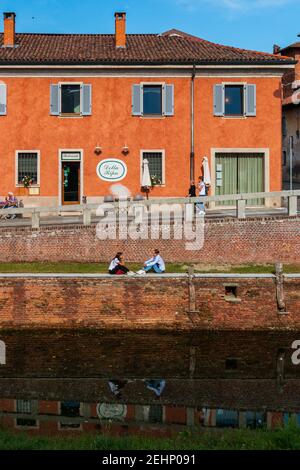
(206, 172)
(146, 179)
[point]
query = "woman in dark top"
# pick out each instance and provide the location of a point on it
(192, 190)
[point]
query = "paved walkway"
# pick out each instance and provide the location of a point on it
(77, 219)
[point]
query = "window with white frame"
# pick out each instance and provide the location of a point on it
(153, 99)
(27, 167)
(235, 100)
(71, 99)
(156, 166)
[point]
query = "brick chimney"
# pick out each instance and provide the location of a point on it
(9, 29)
(120, 30)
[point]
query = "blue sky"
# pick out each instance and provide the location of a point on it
(251, 24)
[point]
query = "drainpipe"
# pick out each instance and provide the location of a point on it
(192, 156)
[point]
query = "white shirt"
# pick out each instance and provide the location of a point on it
(202, 189)
(157, 260)
(115, 262)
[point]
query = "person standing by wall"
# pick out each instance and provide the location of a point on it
(202, 193)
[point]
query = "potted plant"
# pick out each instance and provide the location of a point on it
(26, 183)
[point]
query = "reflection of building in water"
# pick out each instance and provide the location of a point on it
(202, 380)
(59, 418)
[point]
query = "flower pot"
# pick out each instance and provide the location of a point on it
(22, 191)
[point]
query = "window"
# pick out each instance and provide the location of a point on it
(25, 407)
(234, 100)
(28, 166)
(70, 409)
(152, 98)
(284, 159)
(156, 166)
(284, 127)
(3, 99)
(70, 99)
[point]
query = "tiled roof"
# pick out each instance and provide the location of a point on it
(291, 46)
(173, 47)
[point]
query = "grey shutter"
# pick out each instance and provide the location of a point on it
(86, 96)
(219, 100)
(137, 104)
(250, 100)
(54, 100)
(169, 100)
(3, 99)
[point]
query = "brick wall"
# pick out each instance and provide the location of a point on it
(146, 302)
(226, 242)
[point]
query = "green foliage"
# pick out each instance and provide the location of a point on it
(287, 438)
(101, 268)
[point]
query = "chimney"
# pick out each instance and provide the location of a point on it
(9, 30)
(276, 49)
(120, 30)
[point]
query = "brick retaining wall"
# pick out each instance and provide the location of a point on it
(226, 242)
(147, 303)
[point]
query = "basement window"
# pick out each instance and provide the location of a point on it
(231, 293)
(231, 364)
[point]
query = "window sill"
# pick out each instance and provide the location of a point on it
(235, 117)
(153, 117)
(63, 116)
(31, 186)
(233, 300)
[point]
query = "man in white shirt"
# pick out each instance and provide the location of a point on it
(155, 264)
(202, 193)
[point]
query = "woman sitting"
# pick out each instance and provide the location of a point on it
(117, 267)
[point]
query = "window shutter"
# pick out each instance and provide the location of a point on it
(3, 99)
(86, 100)
(54, 100)
(250, 100)
(219, 100)
(137, 102)
(169, 100)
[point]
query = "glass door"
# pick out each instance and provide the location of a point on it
(239, 173)
(71, 182)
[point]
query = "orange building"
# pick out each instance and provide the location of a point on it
(80, 112)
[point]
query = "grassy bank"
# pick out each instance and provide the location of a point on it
(281, 439)
(101, 268)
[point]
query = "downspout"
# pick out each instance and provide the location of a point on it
(192, 156)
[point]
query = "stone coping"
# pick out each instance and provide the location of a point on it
(149, 276)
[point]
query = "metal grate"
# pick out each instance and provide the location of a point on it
(155, 160)
(24, 406)
(27, 166)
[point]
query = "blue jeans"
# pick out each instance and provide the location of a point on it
(155, 268)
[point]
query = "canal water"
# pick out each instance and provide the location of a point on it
(61, 382)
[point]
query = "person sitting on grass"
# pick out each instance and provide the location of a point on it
(117, 267)
(155, 264)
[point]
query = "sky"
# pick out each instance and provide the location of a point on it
(250, 24)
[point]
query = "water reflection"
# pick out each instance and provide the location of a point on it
(65, 382)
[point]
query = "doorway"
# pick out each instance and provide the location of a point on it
(240, 173)
(70, 183)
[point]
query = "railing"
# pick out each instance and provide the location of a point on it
(86, 210)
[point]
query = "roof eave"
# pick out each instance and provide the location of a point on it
(150, 63)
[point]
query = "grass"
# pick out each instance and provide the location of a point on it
(101, 268)
(280, 439)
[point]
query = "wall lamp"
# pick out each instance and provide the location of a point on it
(98, 150)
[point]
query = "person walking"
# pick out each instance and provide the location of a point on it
(202, 193)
